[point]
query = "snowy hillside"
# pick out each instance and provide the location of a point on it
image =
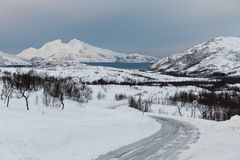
(10, 60)
(217, 57)
(80, 51)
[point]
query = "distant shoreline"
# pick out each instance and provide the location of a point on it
(121, 65)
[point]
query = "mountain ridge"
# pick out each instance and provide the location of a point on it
(219, 56)
(11, 60)
(76, 50)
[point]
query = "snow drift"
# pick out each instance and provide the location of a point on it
(233, 124)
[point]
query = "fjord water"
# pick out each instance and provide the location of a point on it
(140, 66)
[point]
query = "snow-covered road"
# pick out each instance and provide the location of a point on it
(167, 143)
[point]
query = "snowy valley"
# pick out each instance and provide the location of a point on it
(55, 107)
(86, 131)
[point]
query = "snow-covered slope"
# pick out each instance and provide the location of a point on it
(11, 60)
(79, 132)
(80, 51)
(219, 56)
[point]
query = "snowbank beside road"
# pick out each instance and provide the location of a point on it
(218, 140)
(231, 125)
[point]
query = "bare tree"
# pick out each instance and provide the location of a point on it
(21, 84)
(25, 84)
(61, 89)
(7, 90)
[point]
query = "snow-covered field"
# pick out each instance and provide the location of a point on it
(78, 132)
(94, 73)
(85, 131)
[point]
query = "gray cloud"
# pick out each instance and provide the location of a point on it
(156, 27)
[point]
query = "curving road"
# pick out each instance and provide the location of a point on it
(166, 144)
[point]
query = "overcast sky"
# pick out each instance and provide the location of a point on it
(153, 27)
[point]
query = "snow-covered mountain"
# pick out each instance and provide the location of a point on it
(218, 57)
(11, 60)
(80, 51)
